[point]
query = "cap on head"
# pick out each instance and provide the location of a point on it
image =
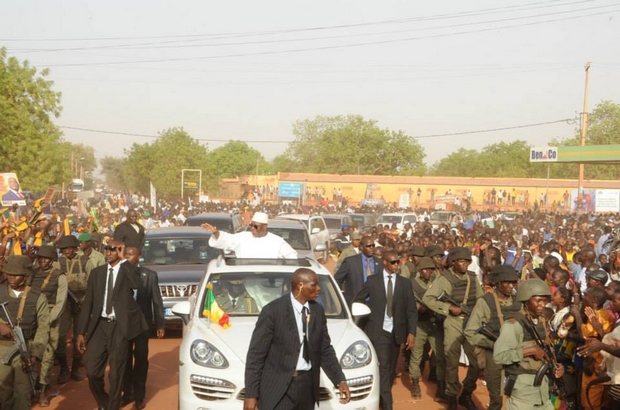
(85, 237)
(459, 252)
(356, 236)
(47, 251)
(260, 218)
(17, 265)
(345, 226)
(425, 263)
(532, 287)
(68, 241)
(433, 250)
(504, 273)
(557, 256)
(417, 250)
(599, 275)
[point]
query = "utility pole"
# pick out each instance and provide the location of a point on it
(584, 131)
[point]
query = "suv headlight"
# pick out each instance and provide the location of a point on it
(357, 355)
(205, 354)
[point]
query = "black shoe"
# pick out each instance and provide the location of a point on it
(466, 401)
(452, 403)
(64, 376)
(140, 404)
(125, 400)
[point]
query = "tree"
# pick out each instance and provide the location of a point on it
(237, 158)
(603, 129)
(162, 162)
(32, 146)
(113, 170)
(351, 145)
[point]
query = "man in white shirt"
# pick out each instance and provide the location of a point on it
(257, 243)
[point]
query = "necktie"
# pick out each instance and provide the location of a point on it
(234, 303)
(368, 269)
(304, 326)
(108, 299)
(390, 296)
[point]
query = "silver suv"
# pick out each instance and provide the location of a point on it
(319, 235)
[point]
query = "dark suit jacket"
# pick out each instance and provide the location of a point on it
(12, 196)
(405, 312)
(125, 233)
(274, 351)
(149, 298)
(130, 319)
(351, 274)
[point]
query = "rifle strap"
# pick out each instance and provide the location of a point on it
(500, 314)
(46, 281)
(467, 289)
(22, 305)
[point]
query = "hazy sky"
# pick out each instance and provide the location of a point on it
(247, 70)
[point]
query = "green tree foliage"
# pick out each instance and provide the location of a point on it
(501, 160)
(161, 162)
(237, 158)
(31, 145)
(350, 145)
(603, 129)
(113, 170)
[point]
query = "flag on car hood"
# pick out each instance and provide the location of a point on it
(213, 311)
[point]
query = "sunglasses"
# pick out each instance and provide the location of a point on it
(393, 262)
(255, 226)
(112, 248)
(370, 245)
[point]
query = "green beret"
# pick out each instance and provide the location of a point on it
(85, 237)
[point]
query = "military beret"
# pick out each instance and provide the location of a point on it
(504, 273)
(47, 251)
(68, 241)
(599, 275)
(85, 237)
(425, 263)
(459, 252)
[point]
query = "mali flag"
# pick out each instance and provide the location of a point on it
(213, 311)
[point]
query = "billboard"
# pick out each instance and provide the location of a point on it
(544, 154)
(10, 190)
(607, 200)
(291, 189)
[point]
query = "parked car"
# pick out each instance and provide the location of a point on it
(334, 223)
(295, 234)
(212, 358)
(400, 219)
(231, 223)
(445, 218)
(180, 256)
(316, 229)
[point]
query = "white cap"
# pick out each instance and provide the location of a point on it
(557, 256)
(260, 218)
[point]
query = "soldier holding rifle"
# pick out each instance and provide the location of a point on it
(463, 288)
(484, 325)
(523, 349)
(29, 318)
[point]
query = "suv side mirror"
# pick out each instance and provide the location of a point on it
(315, 231)
(359, 310)
(182, 310)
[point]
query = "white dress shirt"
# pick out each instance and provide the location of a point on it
(115, 270)
(297, 307)
(388, 322)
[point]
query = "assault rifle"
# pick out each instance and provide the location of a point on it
(21, 347)
(436, 318)
(549, 365)
(444, 297)
(485, 331)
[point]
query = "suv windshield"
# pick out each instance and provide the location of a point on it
(246, 293)
(177, 251)
(440, 216)
(297, 238)
(389, 219)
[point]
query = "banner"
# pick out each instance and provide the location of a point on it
(10, 190)
(607, 200)
(153, 199)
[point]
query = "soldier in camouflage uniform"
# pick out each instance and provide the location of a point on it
(52, 283)
(76, 269)
(28, 307)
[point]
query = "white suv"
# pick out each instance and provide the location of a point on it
(212, 358)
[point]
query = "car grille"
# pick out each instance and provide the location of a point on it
(360, 387)
(324, 394)
(210, 388)
(177, 291)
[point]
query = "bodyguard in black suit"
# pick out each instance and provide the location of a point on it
(110, 318)
(149, 299)
(392, 321)
(354, 271)
(130, 232)
(290, 344)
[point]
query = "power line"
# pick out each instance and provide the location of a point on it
(316, 28)
(329, 47)
(538, 124)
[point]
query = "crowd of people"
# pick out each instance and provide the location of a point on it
(504, 296)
